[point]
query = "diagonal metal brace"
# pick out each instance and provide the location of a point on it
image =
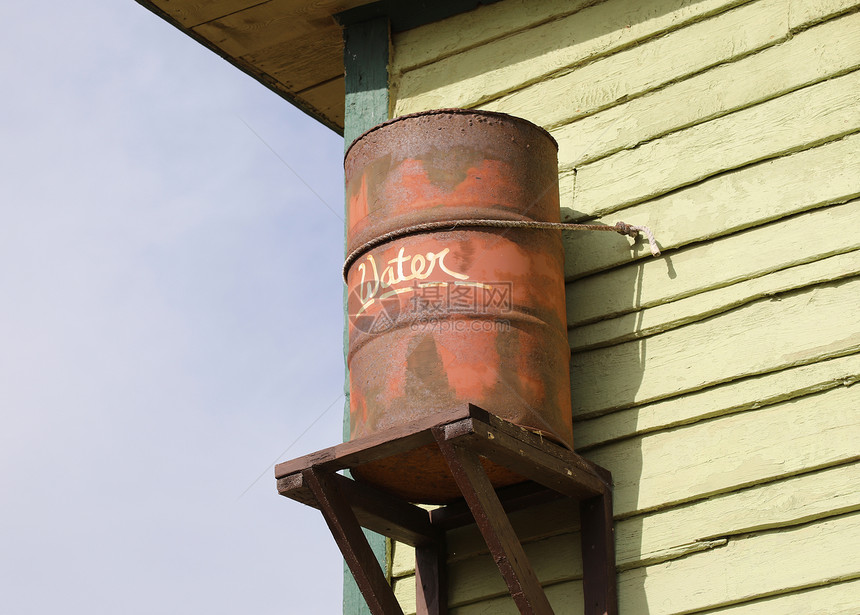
(353, 544)
(495, 527)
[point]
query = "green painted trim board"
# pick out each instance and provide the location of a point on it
(365, 59)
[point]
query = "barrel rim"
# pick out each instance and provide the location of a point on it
(451, 110)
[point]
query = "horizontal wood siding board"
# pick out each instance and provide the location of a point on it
(753, 253)
(805, 13)
(668, 316)
(667, 468)
(553, 560)
(676, 532)
(537, 523)
(607, 81)
(736, 396)
(765, 336)
(727, 574)
(838, 598)
(480, 74)
(426, 44)
(814, 114)
(721, 205)
(808, 556)
(655, 539)
(798, 62)
(432, 42)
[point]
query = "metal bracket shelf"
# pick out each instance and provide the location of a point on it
(462, 435)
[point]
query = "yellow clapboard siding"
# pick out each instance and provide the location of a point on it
(675, 532)
(692, 309)
(724, 204)
(806, 12)
(678, 532)
(688, 529)
(536, 523)
(736, 396)
(666, 468)
(478, 578)
(531, 525)
(553, 560)
(600, 84)
(794, 121)
(426, 44)
(482, 73)
(837, 599)
(733, 413)
(752, 253)
(422, 45)
(765, 336)
(565, 598)
(745, 569)
(811, 56)
(402, 560)
(794, 558)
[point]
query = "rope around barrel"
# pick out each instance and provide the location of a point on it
(450, 225)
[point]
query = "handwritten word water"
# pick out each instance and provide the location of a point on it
(401, 268)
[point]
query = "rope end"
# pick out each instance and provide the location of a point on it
(633, 231)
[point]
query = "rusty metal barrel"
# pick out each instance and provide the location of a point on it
(439, 317)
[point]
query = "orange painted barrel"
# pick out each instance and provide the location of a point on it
(441, 317)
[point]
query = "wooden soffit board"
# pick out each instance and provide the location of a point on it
(295, 47)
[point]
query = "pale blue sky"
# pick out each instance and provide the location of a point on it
(171, 321)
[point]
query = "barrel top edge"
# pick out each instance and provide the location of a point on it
(450, 111)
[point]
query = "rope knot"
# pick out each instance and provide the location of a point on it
(633, 231)
(627, 229)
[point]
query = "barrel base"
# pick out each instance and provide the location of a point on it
(422, 476)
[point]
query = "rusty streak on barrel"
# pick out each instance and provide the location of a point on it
(455, 315)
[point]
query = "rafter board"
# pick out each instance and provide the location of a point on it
(294, 47)
(264, 40)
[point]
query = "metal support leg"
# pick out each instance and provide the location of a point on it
(598, 555)
(431, 590)
(353, 545)
(495, 526)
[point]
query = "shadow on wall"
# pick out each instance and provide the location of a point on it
(606, 380)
